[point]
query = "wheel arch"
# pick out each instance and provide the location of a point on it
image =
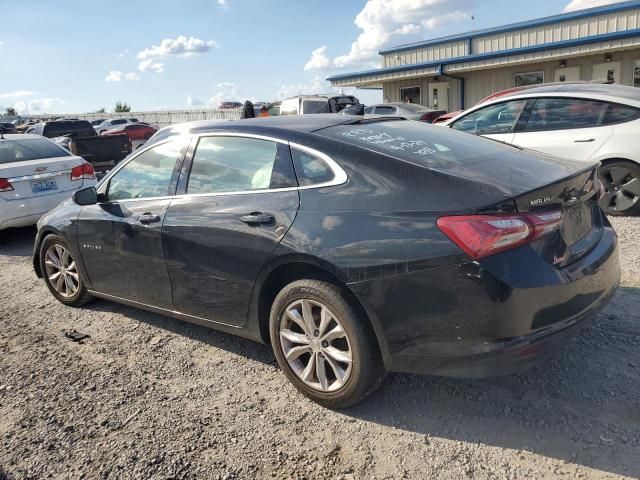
(291, 268)
(42, 234)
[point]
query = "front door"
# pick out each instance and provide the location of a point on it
(120, 237)
(439, 95)
(565, 127)
(239, 201)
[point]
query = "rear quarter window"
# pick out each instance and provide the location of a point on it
(617, 113)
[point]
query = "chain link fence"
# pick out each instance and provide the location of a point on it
(160, 118)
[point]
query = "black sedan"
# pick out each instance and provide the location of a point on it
(354, 246)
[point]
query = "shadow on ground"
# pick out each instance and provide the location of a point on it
(17, 241)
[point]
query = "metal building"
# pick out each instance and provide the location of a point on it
(454, 72)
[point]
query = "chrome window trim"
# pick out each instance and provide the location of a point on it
(340, 176)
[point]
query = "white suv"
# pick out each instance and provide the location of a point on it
(584, 122)
(306, 104)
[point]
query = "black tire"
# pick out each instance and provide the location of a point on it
(366, 370)
(81, 296)
(618, 178)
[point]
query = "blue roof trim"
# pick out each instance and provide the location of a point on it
(589, 12)
(501, 53)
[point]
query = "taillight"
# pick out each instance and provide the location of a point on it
(483, 235)
(83, 171)
(5, 185)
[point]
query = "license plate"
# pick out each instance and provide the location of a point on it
(577, 222)
(38, 186)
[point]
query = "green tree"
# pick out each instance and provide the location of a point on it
(101, 110)
(10, 112)
(122, 107)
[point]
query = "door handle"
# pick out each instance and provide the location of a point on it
(584, 140)
(257, 218)
(147, 218)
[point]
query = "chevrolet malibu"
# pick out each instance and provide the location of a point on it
(353, 246)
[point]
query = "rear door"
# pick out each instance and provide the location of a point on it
(239, 200)
(496, 121)
(120, 237)
(565, 127)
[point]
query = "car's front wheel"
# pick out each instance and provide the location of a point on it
(621, 180)
(61, 272)
(324, 345)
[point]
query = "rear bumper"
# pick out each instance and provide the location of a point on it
(26, 211)
(473, 320)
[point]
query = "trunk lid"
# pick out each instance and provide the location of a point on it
(576, 197)
(34, 178)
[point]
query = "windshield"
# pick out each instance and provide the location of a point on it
(315, 106)
(29, 149)
(75, 129)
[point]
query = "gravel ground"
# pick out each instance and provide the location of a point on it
(150, 397)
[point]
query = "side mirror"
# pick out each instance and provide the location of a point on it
(86, 196)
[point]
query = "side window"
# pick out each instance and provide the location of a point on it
(564, 113)
(385, 110)
(310, 169)
(617, 113)
(494, 119)
(118, 122)
(147, 175)
(368, 110)
(237, 164)
(274, 110)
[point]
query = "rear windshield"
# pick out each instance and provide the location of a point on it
(418, 143)
(75, 129)
(315, 106)
(29, 149)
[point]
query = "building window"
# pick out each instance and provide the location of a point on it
(410, 95)
(636, 73)
(531, 78)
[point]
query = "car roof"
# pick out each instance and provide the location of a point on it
(608, 90)
(298, 123)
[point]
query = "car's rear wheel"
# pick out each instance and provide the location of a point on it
(324, 345)
(61, 272)
(621, 180)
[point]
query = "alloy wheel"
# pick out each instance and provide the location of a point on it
(622, 189)
(61, 270)
(315, 345)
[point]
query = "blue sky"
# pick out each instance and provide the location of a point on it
(78, 56)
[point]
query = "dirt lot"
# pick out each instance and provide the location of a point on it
(151, 397)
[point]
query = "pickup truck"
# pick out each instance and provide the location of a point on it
(79, 137)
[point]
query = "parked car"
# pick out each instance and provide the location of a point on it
(35, 176)
(229, 105)
(135, 131)
(95, 123)
(410, 111)
(306, 104)
(22, 127)
(80, 138)
(7, 127)
(586, 122)
(317, 235)
(113, 123)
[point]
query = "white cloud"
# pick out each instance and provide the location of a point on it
(40, 105)
(1, 43)
(149, 64)
(17, 94)
(223, 3)
(118, 76)
(582, 4)
(227, 91)
(318, 60)
(123, 53)
(181, 46)
(390, 22)
(194, 102)
(317, 85)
